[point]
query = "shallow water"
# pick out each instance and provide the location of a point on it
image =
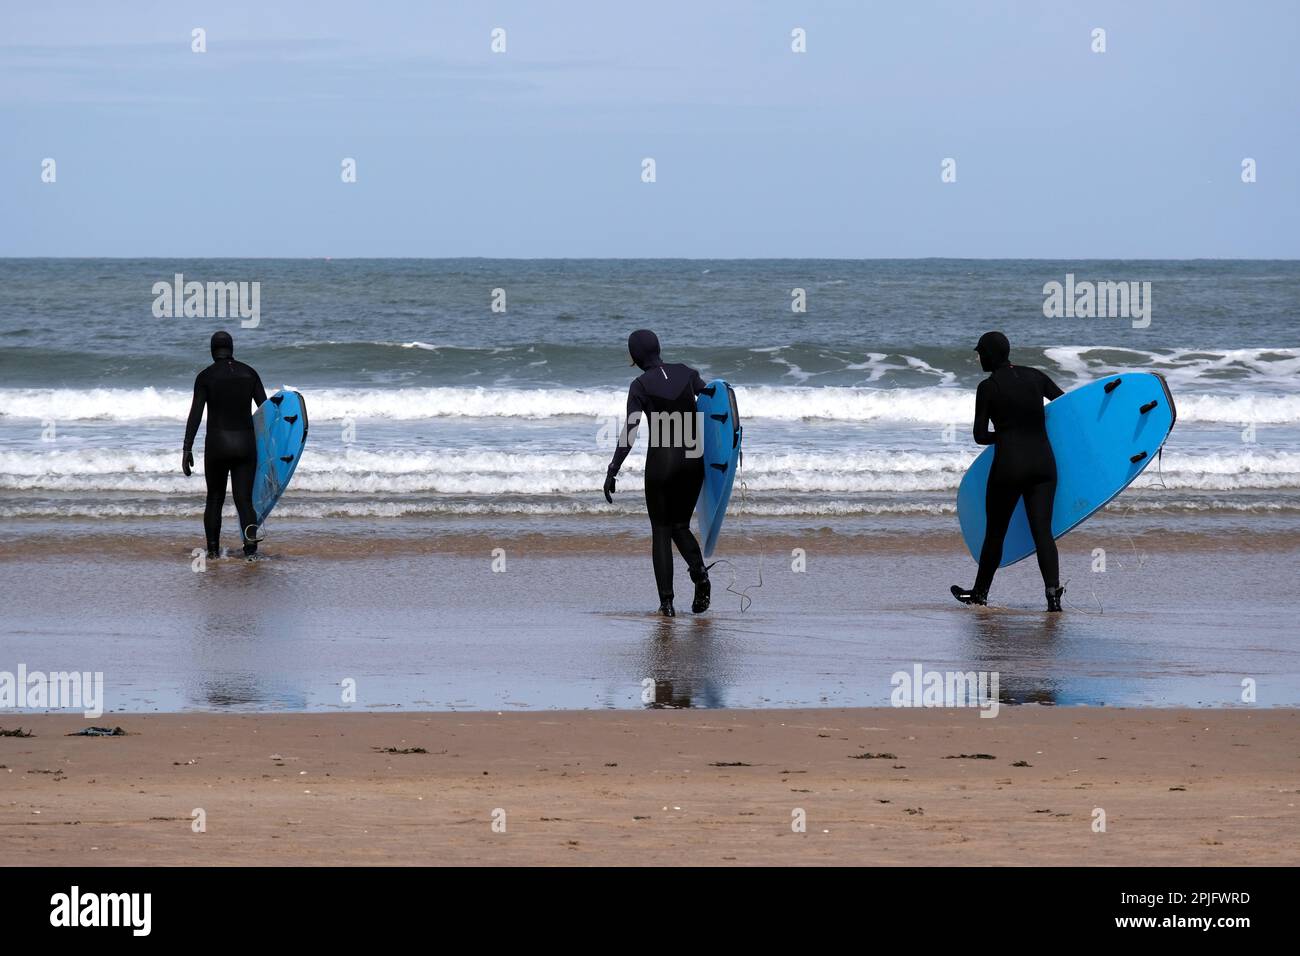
(446, 632)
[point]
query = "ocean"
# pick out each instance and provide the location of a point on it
(427, 403)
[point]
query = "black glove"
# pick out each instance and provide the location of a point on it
(187, 461)
(609, 488)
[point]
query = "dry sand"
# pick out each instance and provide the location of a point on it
(1187, 787)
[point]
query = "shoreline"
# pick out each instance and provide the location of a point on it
(407, 538)
(1177, 787)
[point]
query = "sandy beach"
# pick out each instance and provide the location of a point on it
(877, 786)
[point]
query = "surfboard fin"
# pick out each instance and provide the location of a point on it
(276, 400)
(288, 458)
(1111, 386)
(722, 467)
(1138, 457)
(719, 418)
(709, 391)
(1148, 406)
(290, 418)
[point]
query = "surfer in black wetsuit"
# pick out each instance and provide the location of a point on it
(1023, 464)
(674, 468)
(231, 391)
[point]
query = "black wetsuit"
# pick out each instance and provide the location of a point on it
(1023, 465)
(231, 391)
(674, 464)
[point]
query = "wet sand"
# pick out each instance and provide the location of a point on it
(427, 624)
(1125, 536)
(662, 787)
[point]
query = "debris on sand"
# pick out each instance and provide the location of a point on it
(98, 732)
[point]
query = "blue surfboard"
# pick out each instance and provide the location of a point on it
(281, 428)
(720, 421)
(1103, 435)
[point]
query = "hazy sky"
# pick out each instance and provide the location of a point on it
(760, 151)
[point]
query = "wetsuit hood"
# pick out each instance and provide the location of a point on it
(643, 345)
(994, 350)
(223, 346)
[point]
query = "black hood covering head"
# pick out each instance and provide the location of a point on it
(994, 350)
(223, 346)
(643, 345)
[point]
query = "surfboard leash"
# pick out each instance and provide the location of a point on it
(1074, 607)
(1128, 512)
(745, 599)
(1141, 558)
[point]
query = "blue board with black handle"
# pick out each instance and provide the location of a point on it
(281, 428)
(720, 421)
(1103, 435)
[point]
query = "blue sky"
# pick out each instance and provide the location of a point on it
(1061, 152)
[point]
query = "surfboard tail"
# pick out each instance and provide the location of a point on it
(1169, 397)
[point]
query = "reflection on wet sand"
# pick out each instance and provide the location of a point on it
(240, 645)
(444, 631)
(1021, 648)
(681, 664)
(1068, 658)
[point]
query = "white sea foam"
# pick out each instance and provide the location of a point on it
(487, 472)
(933, 405)
(370, 508)
(1260, 367)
